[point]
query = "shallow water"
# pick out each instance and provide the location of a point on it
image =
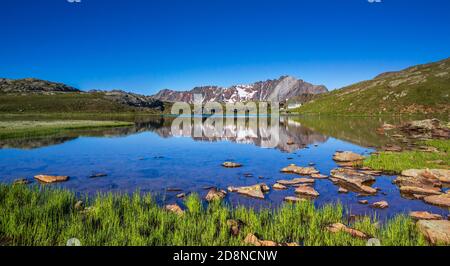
(149, 158)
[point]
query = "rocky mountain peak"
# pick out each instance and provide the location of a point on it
(281, 89)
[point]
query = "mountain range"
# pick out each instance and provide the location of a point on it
(279, 90)
(420, 89)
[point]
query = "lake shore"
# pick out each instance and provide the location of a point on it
(39, 216)
(21, 128)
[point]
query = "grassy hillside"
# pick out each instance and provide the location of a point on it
(63, 103)
(423, 89)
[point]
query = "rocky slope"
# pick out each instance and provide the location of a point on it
(31, 85)
(280, 90)
(421, 89)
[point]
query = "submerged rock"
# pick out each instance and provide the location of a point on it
(339, 227)
(436, 231)
(306, 191)
(174, 208)
(98, 175)
(423, 215)
(231, 165)
(254, 191)
(51, 179)
(215, 194)
(347, 156)
(294, 169)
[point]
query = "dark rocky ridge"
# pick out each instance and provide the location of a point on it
(282, 89)
(32, 85)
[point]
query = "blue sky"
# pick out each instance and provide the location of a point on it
(147, 45)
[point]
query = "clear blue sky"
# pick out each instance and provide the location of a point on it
(147, 45)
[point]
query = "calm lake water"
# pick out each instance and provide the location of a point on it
(148, 157)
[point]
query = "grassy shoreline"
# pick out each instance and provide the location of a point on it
(396, 162)
(21, 129)
(40, 216)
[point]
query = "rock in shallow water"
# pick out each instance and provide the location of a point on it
(296, 181)
(347, 156)
(306, 191)
(279, 186)
(294, 169)
(380, 205)
(254, 191)
(353, 181)
(442, 200)
(231, 165)
(51, 179)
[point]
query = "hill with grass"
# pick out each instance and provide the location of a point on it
(40, 96)
(421, 89)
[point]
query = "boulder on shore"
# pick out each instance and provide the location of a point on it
(215, 194)
(339, 227)
(424, 215)
(174, 208)
(51, 179)
(251, 239)
(436, 231)
(433, 175)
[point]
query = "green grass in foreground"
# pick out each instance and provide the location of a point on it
(399, 161)
(40, 216)
(20, 129)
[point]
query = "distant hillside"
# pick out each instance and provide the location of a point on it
(29, 85)
(40, 96)
(423, 89)
(282, 89)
